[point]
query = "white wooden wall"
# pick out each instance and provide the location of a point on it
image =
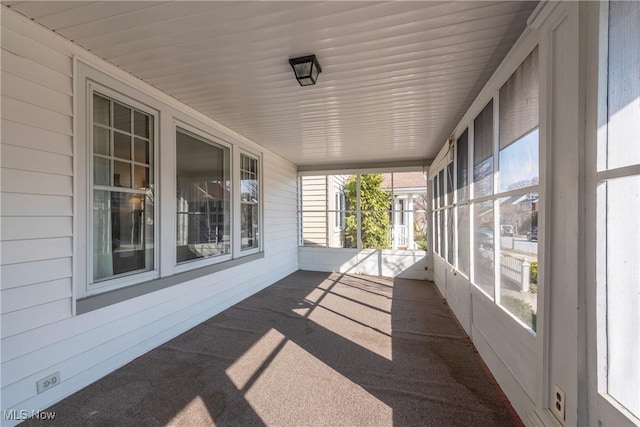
(375, 262)
(40, 333)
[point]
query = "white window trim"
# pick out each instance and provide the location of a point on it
(87, 81)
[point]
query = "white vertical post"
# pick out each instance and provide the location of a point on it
(526, 269)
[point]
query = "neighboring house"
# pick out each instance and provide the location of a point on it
(323, 213)
(409, 207)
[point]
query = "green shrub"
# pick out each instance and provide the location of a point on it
(533, 272)
(521, 309)
(375, 225)
(422, 243)
(533, 277)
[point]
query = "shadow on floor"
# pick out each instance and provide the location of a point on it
(312, 349)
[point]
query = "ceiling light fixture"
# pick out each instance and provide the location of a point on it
(306, 69)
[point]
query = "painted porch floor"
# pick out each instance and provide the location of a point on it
(314, 349)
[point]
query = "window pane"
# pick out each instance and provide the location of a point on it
(443, 236)
(122, 146)
(101, 140)
(123, 233)
(121, 174)
(141, 151)
(436, 192)
(451, 251)
(121, 117)
(123, 223)
(483, 245)
(436, 233)
(449, 184)
(249, 203)
(101, 172)
(375, 215)
(313, 205)
(519, 256)
(409, 211)
(462, 163)
(203, 198)
(140, 177)
(483, 152)
(101, 111)
(623, 291)
(141, 126)
(441, 178)
(519, 102)
(519, 163)
(463, 239)
(624, 85)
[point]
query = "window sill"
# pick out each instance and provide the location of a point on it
(105, 299)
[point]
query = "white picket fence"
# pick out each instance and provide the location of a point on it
(516, 270)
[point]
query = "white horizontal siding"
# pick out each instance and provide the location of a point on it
(18, 87)
(33, 317)
(36, 73)
(28, 273)
(16, 204)
(40, 335)
(16, 251)
(33, 160)
(33, 115)
(35, 227)
(28, 136)
(37, 184)
(22, 297)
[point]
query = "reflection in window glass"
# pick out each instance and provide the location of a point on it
(519, 256)
(203, 198)
(122, 222)
(249, 203)
(463, 239)
(519, 163)
(483, 247)
(483, 152)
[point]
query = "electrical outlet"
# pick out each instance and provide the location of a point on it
(558, 406)
(48, 382)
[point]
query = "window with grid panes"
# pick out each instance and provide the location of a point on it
(123, 197)
(249, 203)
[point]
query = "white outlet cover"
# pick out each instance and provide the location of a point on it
(558, 403)
(48, 382)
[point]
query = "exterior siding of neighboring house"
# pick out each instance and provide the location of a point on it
(320, 227)
(41, 331)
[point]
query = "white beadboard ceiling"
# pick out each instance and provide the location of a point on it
(396, 76)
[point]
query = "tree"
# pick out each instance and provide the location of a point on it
(374, 207)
